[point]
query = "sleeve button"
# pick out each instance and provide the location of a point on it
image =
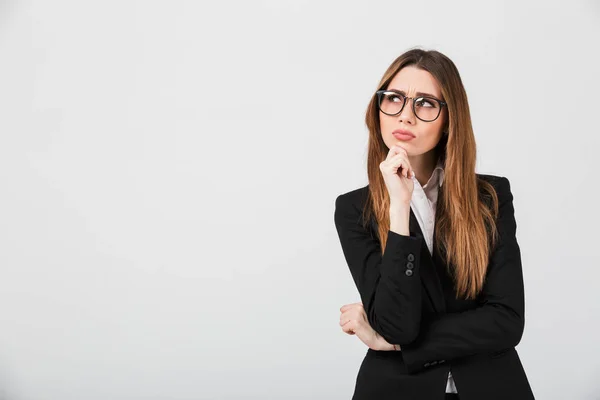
(426, 365)
(408, 272)
(410, 265)
(411, 257)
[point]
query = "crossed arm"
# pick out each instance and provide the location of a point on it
(392, 300)
(391, 297)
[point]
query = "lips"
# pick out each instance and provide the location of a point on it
(403, 132)
(403, 137)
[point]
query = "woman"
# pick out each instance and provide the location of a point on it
(431, 246)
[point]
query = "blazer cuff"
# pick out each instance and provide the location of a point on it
(401, 259)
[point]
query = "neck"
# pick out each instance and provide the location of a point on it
(423, 165)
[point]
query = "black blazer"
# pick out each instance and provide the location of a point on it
(409, 300)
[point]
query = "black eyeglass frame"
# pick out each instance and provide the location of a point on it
(382, 91)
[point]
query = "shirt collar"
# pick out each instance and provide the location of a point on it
(440, 167)
(437, 175)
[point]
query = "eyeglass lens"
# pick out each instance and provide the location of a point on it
(425, 108)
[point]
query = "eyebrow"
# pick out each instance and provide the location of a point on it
(417, 93)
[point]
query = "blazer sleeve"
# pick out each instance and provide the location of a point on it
(497, 323)
(389, 285)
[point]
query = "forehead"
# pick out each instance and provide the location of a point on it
(411, 79)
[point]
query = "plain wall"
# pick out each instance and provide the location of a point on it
(168, 172)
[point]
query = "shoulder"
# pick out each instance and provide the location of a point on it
(354, 199)
(493, 179)
(501, 184)
(350, 206)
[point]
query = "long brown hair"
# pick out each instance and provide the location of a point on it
(465, 228)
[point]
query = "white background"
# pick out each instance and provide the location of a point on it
(168, 172)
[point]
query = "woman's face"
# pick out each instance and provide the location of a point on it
(411, 80)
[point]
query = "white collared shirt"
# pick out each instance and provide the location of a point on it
(423, 203)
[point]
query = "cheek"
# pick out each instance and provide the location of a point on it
(384, 124)
(433, 137)
(382, 119)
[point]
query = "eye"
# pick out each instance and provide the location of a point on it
(394, 98)
(425, 102)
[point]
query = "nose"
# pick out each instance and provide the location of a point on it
(407, 114)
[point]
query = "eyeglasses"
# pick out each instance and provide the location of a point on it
(427, 109)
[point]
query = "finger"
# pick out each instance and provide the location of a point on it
(355, 313)
(396, 149)
(348, 327)
(347, 306)
(407, 167)
(399, 164)
(399, 161)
